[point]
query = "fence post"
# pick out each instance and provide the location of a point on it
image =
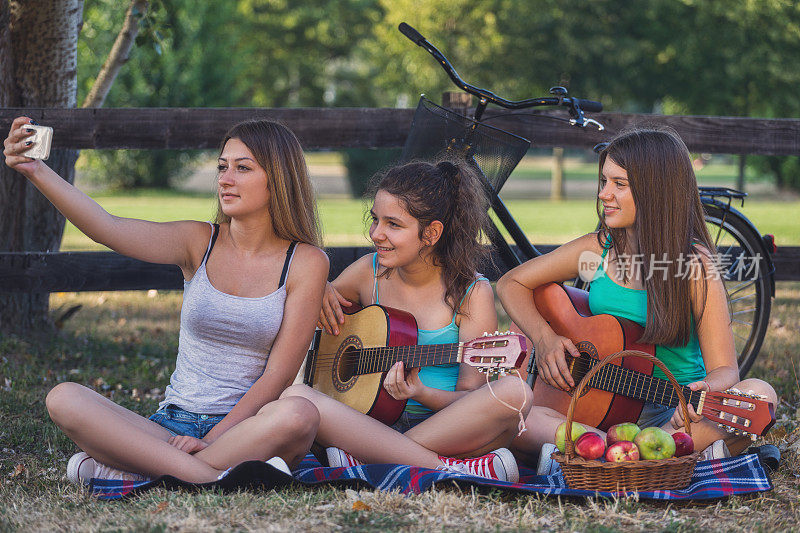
(557, 175)
(457, 101)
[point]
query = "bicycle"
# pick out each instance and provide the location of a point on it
(745, 254)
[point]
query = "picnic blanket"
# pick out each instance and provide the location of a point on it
(713, 479)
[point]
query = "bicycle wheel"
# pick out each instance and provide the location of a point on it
(747, 277)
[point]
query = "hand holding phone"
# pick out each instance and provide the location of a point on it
(41, 139)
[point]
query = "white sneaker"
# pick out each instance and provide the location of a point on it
(338, 458)
(499, 464)
(546, 466)
(717, 450)
(280, 464)
(275, 462)
(81, 468)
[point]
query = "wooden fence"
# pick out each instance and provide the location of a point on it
(326, 128)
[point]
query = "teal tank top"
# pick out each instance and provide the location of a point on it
(442, 377)
(608, 297)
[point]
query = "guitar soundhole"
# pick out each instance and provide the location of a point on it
(344, 364)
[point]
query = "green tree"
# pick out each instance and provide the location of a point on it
(188, 55)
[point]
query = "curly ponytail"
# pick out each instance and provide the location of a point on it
(450, 192)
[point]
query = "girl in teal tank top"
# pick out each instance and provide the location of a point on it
(651, 263)
(426, 226)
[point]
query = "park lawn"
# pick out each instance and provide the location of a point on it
(123, 345)
(544, 221)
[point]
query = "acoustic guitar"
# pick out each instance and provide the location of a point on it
(350, 367)
(620, 390)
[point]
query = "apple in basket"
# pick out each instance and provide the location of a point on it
(623, 450)
(561, 432)
(655, 443)
(624, 431)
(590, 446)
(684, 445)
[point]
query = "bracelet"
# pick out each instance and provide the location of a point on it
(708, 387)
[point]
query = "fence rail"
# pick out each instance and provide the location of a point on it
(109, 271)
(334, 128)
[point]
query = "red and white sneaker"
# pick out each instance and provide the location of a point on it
(81, 468)
(499, 464)
(339, 458)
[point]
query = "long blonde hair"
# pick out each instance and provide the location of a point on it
(291, 198)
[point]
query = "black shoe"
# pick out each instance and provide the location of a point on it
(768, 454)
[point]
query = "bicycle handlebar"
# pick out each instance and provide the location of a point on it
(575, 105)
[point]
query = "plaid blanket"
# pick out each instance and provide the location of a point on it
(711, 479)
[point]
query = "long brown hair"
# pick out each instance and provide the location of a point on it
(449, 192)
(292, 207)
(669, 224)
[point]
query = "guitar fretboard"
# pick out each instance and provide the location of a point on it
(634, 384)
(381, 359)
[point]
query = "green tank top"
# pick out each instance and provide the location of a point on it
(608, 297)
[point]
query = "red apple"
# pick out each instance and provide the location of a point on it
(561, 431)
(624, 431)
(623, 450)
(590, 446)
(655, 443)
(684, 445)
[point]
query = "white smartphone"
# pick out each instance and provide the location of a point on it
(41, 138)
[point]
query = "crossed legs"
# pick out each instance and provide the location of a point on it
(122, 439)
(471, 426)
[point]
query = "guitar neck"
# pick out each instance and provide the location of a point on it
(381, 359)
(633, 384)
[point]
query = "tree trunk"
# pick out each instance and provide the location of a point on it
(38, 67)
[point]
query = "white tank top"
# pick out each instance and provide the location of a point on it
(224, 342)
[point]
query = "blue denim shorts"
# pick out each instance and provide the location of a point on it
(181, 422)
(654, 414)
(409, 420)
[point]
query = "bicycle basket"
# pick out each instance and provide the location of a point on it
(436, 130)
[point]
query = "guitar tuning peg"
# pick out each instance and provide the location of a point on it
(485, 334)
(496, 332)
(507, 332)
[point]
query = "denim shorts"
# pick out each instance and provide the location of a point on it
(181, 422)
(409, 420)
(654, 414)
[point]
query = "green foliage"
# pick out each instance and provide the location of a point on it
(187, 55)
(669, 56)
(362, 164)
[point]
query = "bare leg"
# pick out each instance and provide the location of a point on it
(285, 428)
(362, 436)
(705, 432)
(476, 423)
(542, 424)
(122, 439)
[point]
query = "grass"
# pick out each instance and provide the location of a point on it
(544, 221)
(123, 345)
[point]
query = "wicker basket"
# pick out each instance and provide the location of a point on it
(643, 475)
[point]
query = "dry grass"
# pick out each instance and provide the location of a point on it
(123, 344)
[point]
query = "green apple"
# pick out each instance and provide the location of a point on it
(655, 443)
(619, 432)
(561, 432)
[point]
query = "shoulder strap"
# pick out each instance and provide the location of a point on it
(288, 260)
(214, 234)
(469, 288)
(375, 278)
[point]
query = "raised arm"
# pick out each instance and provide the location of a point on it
(347, 289)
(170, 242)
(304, 287)
(515, 290)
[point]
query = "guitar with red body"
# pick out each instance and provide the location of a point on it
(620, 389)
(350, 367)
